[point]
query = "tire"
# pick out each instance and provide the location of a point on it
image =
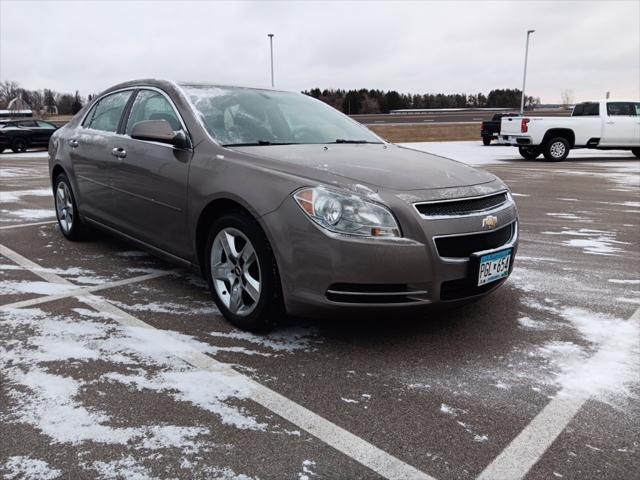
(19, 145)
(69, 221)
(486, 141)
(556, 149)
(636, 152)
(529, 153)
(246, 287)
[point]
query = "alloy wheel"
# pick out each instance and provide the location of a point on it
(557, 149)
(64, 207)
(235, 271)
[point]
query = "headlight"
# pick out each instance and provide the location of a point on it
(347, 214)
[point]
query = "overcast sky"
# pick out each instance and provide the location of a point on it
(588, 47)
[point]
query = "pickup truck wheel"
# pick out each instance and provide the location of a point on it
(529, 153)
(242, 273)
(19, 145)
(486, 141)
(556, 149)
(636, 152)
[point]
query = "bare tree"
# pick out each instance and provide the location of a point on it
(566, 96)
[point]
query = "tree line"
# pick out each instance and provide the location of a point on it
(44, 101)
(361, 101)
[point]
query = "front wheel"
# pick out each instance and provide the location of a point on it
(636, 152)
(529, 153)
(242, 273)
(486, 141)
(556, 149)
(67, 210)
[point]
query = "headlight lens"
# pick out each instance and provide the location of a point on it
(347, 214)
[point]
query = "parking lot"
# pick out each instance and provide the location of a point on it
(114, 364)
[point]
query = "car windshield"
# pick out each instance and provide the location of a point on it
(237, 116)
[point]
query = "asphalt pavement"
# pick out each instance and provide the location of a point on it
(114, 364)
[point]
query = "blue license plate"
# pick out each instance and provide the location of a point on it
(494, 266)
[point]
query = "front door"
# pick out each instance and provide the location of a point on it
(149, 180)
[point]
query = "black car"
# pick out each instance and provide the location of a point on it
(24, 133)
(490, 129)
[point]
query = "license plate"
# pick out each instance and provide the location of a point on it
(494, 266)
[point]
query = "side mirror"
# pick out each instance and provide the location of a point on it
(159, 131)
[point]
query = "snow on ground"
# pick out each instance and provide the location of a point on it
(16, 195)
(475, 153)
(52, 402)
(36, 154)
(27, 468)
(32, 214)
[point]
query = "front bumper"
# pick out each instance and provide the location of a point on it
(322, 272)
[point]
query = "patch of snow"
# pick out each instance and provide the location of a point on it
(307, 473)
(16, 195)
(624, 282)
(283, 340)
(27, 468)
(30, 213)
(36, 287)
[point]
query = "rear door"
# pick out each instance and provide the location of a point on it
(150, 178)
(43, 131)
(90, 147)
(620, 123)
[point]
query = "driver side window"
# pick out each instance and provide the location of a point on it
(152, 105)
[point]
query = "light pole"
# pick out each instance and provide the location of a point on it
(524, 76)
(270, 35)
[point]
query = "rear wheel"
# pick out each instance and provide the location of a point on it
(556, 149)
(636, 152)
(242, 272)
(66, 209)
(529, 153)
(19, 145)
(486, 141)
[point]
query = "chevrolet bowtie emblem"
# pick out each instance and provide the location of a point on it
(490, 221)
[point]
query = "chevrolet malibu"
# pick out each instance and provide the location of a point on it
(284, 204)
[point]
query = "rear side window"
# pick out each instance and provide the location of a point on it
(105, 115)
(620, 109)
(152, 105)
(586, 110)
(27, 123)
(42, 124)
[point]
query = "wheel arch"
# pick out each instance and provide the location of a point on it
(565, 133)
(209, 213)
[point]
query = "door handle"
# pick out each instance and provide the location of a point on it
(610, 123)
(73, 143)
(119, 152)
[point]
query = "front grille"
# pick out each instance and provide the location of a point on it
(462, 206)
(373, 293)
(464, 288)
(464, 245)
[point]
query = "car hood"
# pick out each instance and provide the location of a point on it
(375, 165)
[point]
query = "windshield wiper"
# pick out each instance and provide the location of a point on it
(343, 140)
(259, 143)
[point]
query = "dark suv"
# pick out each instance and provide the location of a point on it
(24, 133)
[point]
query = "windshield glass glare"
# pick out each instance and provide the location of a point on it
(246, 116)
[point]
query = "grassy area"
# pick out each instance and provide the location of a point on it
(427, 133)
(394, 133)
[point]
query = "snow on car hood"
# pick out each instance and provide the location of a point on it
(380, 166)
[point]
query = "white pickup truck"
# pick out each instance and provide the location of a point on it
(605, 125)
